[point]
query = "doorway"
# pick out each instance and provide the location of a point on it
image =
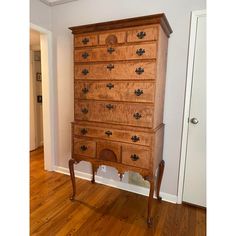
(36, 111)
(44, 98)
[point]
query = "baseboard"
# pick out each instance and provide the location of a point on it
(117, 184)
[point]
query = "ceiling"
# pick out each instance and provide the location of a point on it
(56, 2)
(34, 38)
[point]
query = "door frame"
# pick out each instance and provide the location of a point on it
(48, 94)
(188, 91)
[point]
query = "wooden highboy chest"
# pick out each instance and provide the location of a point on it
(119, 84)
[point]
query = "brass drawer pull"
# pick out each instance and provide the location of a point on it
(141, 35)
(84, 110)
(138, 92)
(140, 51)
(108, 133)
(85, 55)
(134, 157)
(110, 50)
(139, 70)
(110, 67)
(85, 40)
(109, 106)
(85, 90)
(137, 116)
(110, 85)
(135, 138)
(84, 131)
(85, 71)
(83, 148)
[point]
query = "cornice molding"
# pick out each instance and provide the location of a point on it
(128, 22)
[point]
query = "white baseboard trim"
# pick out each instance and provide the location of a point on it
(117, 184)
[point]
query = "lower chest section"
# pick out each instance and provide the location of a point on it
(113, 145)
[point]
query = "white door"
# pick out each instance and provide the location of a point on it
(194, 191)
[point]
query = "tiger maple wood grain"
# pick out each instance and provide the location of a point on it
(150, 34)
(111, 146)
(121, 71)
(120, 37)
(121, 113)
(91, 147)
(142, 153)
(78, 40)
(120, 53)
(117, 134)
(121, 91)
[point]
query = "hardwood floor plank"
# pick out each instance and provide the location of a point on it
(96, 219)
(101, 210)
(87, 206)
(72, 211)
(200, 226)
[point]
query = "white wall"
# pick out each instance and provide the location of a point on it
(40, 14)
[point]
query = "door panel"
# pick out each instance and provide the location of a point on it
(195, 167)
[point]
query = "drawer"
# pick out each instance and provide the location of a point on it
(85, 40)
(118, 113)
(116, 91)
(142, 34)
(112, 38)
(140, 138)
(84, 147)
(116, 71)
(114, 53)
(108, 151)
(136, 156)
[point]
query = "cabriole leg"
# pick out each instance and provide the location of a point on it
(93, 172)
(159, 178)
(150, 200)
(72, 176)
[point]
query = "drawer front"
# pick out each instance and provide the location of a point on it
(135, 156)
(142, 34)
(111, 112)
(85, 40)
(116, 71)
(109, 151)
(112, 38)
(113, 53)
(116, 91)
(139, 138)
(84, 147)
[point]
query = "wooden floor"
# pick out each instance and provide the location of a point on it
(101, 210)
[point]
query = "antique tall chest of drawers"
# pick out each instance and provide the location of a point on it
(119, 83)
